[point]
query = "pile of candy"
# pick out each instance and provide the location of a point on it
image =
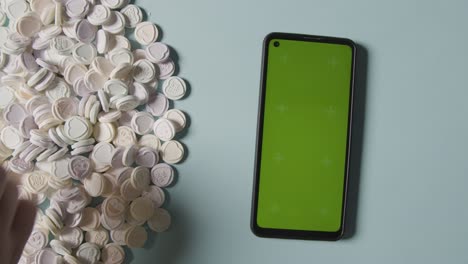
(71, 88)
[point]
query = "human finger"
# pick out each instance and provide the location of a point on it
(21, 228)
(8, 205)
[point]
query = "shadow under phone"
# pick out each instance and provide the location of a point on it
(360, 87)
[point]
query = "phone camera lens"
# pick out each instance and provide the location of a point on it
(276, 43)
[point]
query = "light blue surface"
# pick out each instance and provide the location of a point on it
(413, 200)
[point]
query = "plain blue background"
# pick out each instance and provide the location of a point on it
(412, 198)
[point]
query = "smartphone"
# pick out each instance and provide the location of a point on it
(303, 137)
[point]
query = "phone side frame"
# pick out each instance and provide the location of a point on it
(286, 233)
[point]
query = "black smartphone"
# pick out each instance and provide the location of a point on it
(303, 137)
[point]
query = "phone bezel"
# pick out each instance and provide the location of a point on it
(287, 233)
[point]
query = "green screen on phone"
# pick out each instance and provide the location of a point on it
(305, 133)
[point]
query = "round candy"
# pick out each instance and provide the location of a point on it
(136, 237)
(146, 33)
(160, 221)
(147, 157)
(144, 71)
(177, 118)
(45, 82)
(158, 104)
(129, 155)
(118, 234)
(125, 137)
(69, 259)
(88, 105)
(47, 256)
(140, 178)
(128, 192)
(84, 53)
(7, 96)
(10, 137)
(120, 56)
(126, 103)
(102, 41)
(172, 152)
(117, 158)
(37, 182)
(77, 8)
(88, 253)
(95, 184)
(77, 128)
(117, 25)
(90, 220)
(120, 42)
(82, 150)
(15, 9)
(94, 80)
(83, 143)
(104, 132)
(50, 31)
(126, 118)
(74, 71)
(102, 65)
(115, 87)
(71, 236)
(28, 25)
(121, 71)
(151, 141)
(114, 206)
(140, 91)
(99, 15)
(13, 114)
(62, 44)
(60, 247)
(47, 153)
(61, 134)
(162, 175)
(65, 108)
(166, 69)
(99, 237)
(110, 223)
(157, 52)
(164, 129)
(79, 167)
(37, 240)
(155, 194)
(174, 88)
(142, 208)
(133, 15)
(103, 99)
(19, 149)
(109, 117)
(113, 254)
(101, 155)
(58, 89)
(114, 4)
(85, 31)
(142, 123)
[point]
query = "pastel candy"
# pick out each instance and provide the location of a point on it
(80, 167)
